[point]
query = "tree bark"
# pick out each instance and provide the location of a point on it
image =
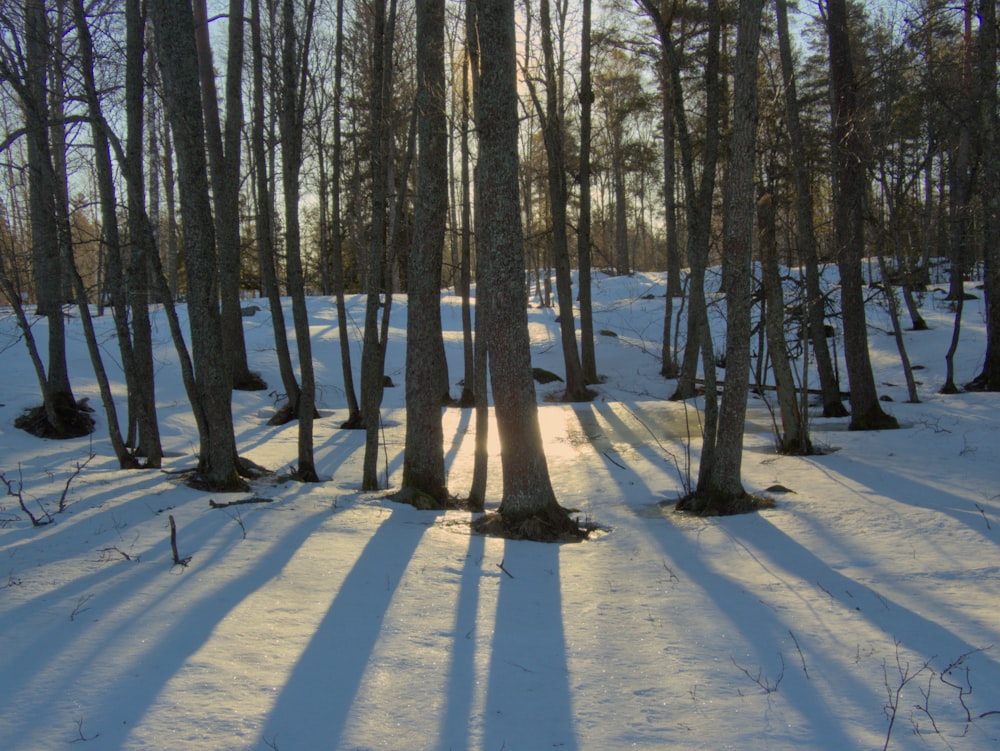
(554, 136)
(174, 23)
(423, 460)
(724, 486)
(814, 315)
(294, 64)
(794, 438)
(224, 164)
(849, 183)
(528, 502)
(264, 221)
(588, 354)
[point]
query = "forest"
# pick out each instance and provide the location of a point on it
(392, 149)
(317, 317)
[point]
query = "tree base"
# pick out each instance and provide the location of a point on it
(199, 481)
(287, 414)
(354, 422)
(418, 499)
(554, 524)
(76, 421)
(835, 409)
(249, 381)
(705, 503)
(873, 419)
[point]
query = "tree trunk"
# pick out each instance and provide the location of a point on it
(224, 164)
(588, 355)
(528, 506)
(423, 460)
(794, 438)
(989, 378)
(668, 366)
(175, 43)
(265, 224)
(291, 124)
(371, 355)
(849, 182)
(337, 249)
(140, 388)
(59, 403)
(552, 129)
(723, 488)
(814, 315)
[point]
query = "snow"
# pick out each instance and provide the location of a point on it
(329, 618)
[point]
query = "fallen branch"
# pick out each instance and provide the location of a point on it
(256, 499)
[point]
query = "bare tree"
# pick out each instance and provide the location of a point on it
(528, 507)
(849, 183)
(423, 461)
(224, 165)
(174, 24)
(814, 313)
(720, 486)
(294, 76)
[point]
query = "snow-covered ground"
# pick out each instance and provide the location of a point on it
(862, 611)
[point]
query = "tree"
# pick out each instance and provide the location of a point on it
(264, 221)
(372, 383)
(337, 239)
(423, 461)
(989, 378)
(552, 117)
(588, 355)
(698, 201)
(174, 24)
(528, 507)
(849, 185)
(139, 381)
(60, 416)
(294, 75)
(805, 232)
(224, 165)
(720, 487)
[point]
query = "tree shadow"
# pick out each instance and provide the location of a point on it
(528, 700)
(316, 701)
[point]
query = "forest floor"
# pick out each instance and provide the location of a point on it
(861, 612)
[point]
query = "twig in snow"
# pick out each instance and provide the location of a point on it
(617, 464)
(500, 566)
(801, 656)
(761, 681)
(79, 733)
(178, 561)
(985, 518)
(891, 707)
(80, 607)
(69, 480)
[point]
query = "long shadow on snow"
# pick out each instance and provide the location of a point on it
(528, 702)
(454, 731)
(317, 700)
(761, 625)
(187, 632)
(913, 631)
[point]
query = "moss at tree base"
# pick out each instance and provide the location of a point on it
(553, 524)
(76, 422)
(704, 503)
(873, 419)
